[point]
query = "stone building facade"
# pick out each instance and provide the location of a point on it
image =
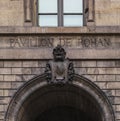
(25, 48)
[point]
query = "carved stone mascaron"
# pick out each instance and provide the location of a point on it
(59, 70)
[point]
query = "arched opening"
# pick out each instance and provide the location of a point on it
(80, 100)
(55, 102)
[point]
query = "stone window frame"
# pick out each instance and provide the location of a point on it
(31, 13)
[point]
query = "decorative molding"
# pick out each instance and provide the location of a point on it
(91, 11)
(28, 12)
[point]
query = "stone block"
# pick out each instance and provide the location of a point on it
(117, 108)
(2, 108)
(117, 92)
(12, 13)
(12, 63)
(5, 100)
(5, 85)
(84, 63)
(117, 63)
(30, 63)
(19, 78)
(17, 71)
(80, 71)
(26, 70)
(1, 92)
(1, 64)
(105, 63)
(92, 70)
(1, 78)
(113, 85)
(5, 70)
(117, 114)
(106, 78)
(9, 78)
(1, 115)
(6, 92)
(42, 64)
(11, 92)
(38, 71)
(117, 77)
(109, 71)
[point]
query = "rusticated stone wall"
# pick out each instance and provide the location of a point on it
(106, 74)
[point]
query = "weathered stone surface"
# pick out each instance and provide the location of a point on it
(84, 63)
(105, 63)
(17, 71)
(16, 85)
(39, 47)
(117, 107)
(13, 64)
(106, 78)
(28, 77)
(1, 78)
(9, 78)
(38, 54)
(117, 92)
(38, 71)
(26, 70)
(91, 77)
(24, 51)
(107, 15)
(102, 85)
(5, 85)
(113, 85)
(30, 63)
(118, 115)
(5, 70)
(12, 13)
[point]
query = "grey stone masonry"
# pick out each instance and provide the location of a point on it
(105, 74)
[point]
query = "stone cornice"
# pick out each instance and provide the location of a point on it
(60, 30)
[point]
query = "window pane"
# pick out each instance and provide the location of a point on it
(73, 6)
(47, 6)
(48, 20)
(73, 20)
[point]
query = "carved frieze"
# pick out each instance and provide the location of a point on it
(88, 42)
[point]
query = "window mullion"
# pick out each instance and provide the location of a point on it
(60, 12)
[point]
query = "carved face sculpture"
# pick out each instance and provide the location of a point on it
(59, 53)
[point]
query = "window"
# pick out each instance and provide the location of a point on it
(66, 13)
(53, 13)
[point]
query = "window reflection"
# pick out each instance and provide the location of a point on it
(48, 20)
(73, 20)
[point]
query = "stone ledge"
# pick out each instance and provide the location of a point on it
(42, 53)
(60, 30)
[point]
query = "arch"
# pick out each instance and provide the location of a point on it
(81, 93)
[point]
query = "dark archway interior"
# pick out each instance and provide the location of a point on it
(60, 103)
(63, 113)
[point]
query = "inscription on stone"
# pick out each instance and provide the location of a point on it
(79, 42)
